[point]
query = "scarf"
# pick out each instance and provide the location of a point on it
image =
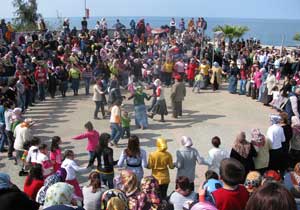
(149, 186)
(59, 194)
(114, 200)
(49, 181)
(241, 146)
(258, 139)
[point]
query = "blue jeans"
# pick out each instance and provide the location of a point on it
(243, 84)
(41, 90)
(92, 155)
(116, 131)
(21, 101)
(3, 139)
(75, 85)
(87, 82)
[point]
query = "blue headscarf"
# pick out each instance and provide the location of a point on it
(4, 181)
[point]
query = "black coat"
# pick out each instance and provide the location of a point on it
(248, 162)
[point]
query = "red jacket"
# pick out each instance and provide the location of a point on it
(231, 199)
(191, 71)
(32, 189)
(40, 76)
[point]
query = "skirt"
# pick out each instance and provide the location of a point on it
(276, 157)
(160, 107)
(141, 118)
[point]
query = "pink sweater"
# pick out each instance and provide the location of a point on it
(93, 139)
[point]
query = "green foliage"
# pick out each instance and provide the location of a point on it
(26, 15)
(297, 37)
(232, 32)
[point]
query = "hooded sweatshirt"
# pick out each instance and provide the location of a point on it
(159, 161)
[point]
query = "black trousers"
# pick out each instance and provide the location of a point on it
(11, 140)
(163, 189)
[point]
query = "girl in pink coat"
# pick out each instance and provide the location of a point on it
(93, 140)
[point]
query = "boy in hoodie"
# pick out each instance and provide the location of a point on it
(159, 161)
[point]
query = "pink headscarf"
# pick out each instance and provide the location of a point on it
(203, 206)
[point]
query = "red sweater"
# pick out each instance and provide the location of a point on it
(32, 189)
(40, 76)
(231, 199)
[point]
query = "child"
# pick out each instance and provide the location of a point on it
(23, 171)
(275, 103)
(43, 159)
(71, 167)
(198, 82)
(55, 153)
(93, 139)
(233, 195)
(31, 158)
(211, 184)
(125, 121)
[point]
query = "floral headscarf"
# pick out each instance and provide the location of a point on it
(241, 146)
(59, 194)
(59, 176)
(129, 182)
(114, 200)
(149, 186)
(258, 139)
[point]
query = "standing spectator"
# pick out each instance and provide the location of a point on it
(233, 77)
(52, 82)
(62, 76)
(20, 89)
(84, 25)
(172, 26)
(182, 25)
(292, 106)
(8, 131)
(178, 93)
(87, 75)
(3, 139)
(159, 162)
(41, 79)
(74, 75)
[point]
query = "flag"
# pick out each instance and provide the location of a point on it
(87, 13)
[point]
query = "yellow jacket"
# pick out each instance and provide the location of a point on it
(159, 161)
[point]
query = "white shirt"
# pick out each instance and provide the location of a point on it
(71, 168)
(7, 116)
(21, 135)
(32, 155)
(92, 201)
(215, 156)
(46, 164)
(115, 114)
(276, 136)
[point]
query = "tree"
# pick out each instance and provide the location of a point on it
(26, 15)
(297, 37)
(231, 32)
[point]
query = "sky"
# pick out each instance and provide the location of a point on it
(270, 9)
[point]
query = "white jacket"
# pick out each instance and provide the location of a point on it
(97, 93)
(22, 134)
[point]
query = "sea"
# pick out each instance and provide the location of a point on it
(269, 31)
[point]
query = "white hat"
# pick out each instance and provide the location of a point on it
(186, 141)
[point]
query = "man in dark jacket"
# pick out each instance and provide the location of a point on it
(178, 93)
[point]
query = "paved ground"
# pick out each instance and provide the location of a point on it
(205, 115)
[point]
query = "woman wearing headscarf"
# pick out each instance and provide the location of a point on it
(216, 77)
(187, 157)
(114, 200)
(276, 136)
(160, 106)
(129, 184)
(233, 77)
(288, 134)
(159, 162)
(149, 186)
(270, 83)
(11, 198)
(262, 147)
(134, 157)
(294, 154)
(59, 176)
(139, 97)
(60, 197)
(243, 151)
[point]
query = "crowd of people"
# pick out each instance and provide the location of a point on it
(262, 170)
